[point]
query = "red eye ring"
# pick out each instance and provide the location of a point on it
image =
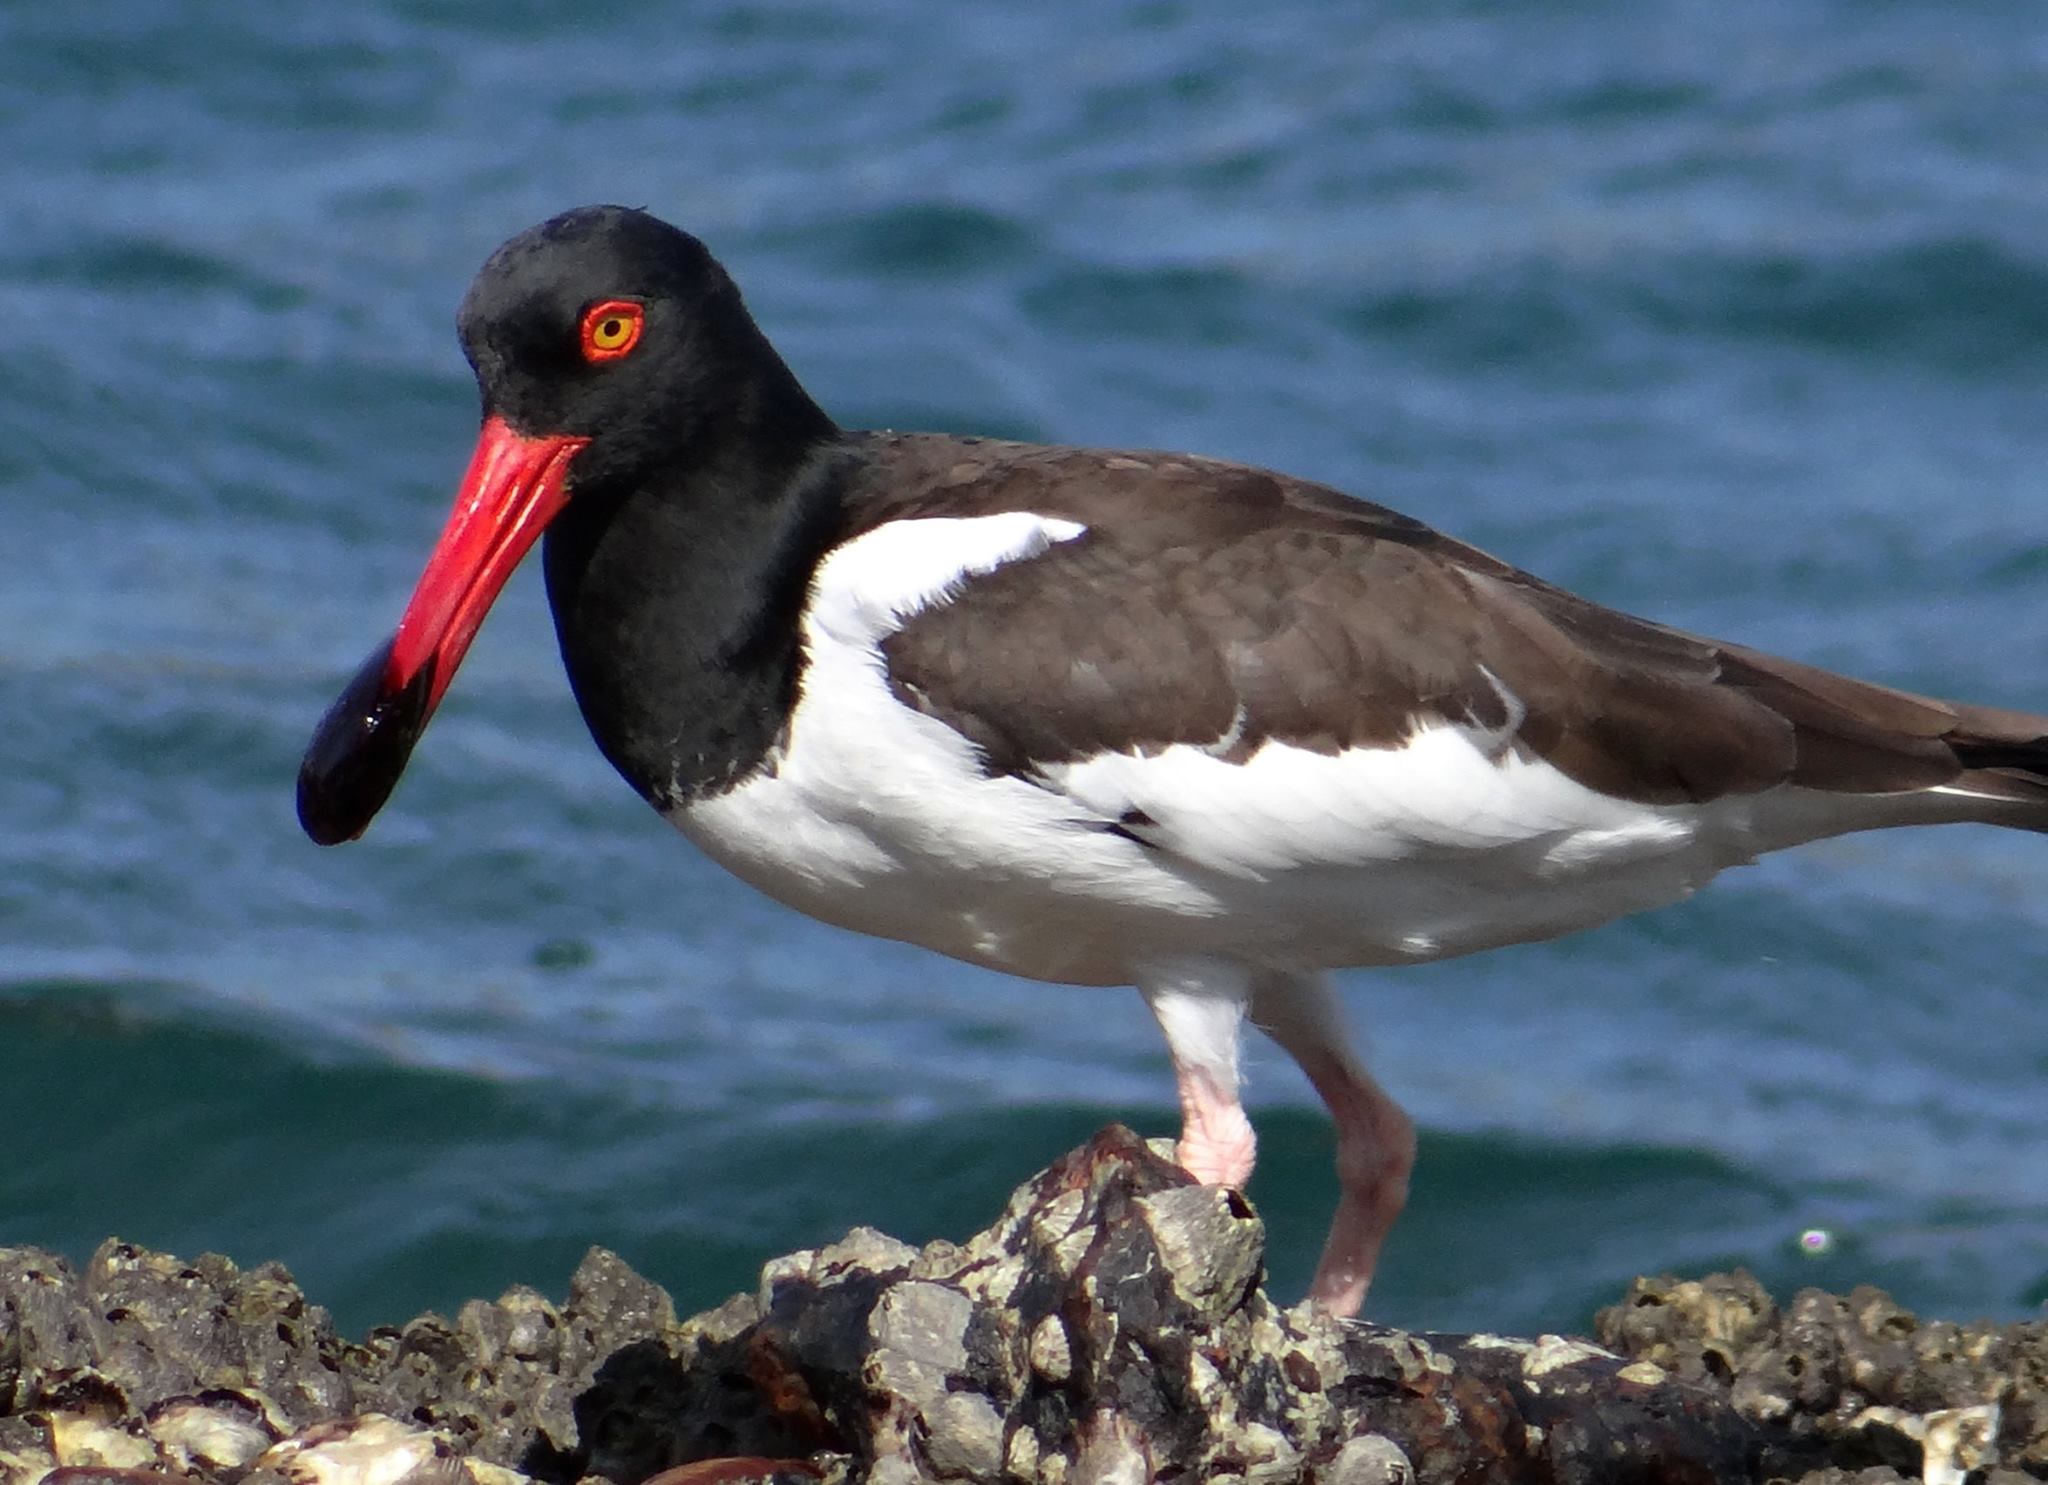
(611, 328)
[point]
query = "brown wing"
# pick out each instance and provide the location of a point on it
(1224, 606)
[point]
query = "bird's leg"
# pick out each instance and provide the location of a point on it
(1375, 1139)
(1201, 1017)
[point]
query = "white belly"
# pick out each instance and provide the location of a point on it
(909, 843)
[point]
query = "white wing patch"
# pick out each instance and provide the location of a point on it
(867, 588)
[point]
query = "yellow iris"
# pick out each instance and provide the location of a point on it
(611, 329)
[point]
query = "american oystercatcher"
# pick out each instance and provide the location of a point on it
(1103, 718)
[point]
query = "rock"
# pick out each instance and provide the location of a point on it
(219, 1430)
(965, 1437)
(366, 1449)
(743, 1471)
(1851, 1382)
(1110, 1327)
(1370, 1459)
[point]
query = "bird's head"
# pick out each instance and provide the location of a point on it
(607, 329)
(604, 341)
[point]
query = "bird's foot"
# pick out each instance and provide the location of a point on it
(1217, 1146)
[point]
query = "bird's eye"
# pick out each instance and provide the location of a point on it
(611, 329)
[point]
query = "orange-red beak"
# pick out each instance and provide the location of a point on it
(514, 486)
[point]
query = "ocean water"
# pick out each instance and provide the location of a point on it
(1734, 316)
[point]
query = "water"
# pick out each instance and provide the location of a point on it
(1733, 316)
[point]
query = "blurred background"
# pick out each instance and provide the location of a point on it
(1734, 316)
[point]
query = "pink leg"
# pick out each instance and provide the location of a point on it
(1375, 1140)
(1217, 1146)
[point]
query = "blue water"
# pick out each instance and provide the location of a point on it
(1736, 316)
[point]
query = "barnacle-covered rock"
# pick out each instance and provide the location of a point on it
(1854, 1380)
(1110, 1328)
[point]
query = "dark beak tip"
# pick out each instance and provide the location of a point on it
(317, 817)
(359, 750)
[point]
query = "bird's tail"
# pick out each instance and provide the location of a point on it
(2004, 758)
(1968, 762)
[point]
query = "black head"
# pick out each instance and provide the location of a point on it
(608, 324)
(615, 360)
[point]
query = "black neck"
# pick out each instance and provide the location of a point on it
(677, 600)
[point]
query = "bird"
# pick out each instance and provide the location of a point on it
(1100, 717)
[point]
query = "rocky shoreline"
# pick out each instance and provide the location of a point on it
(1110, 1328)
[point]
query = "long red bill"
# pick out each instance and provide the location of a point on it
(513, 488)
